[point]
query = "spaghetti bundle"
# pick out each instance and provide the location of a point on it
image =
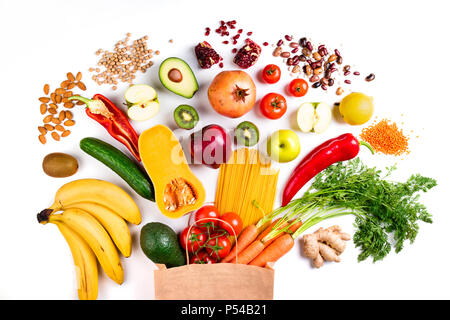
(246, 178)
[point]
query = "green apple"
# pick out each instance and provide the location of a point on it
(142, 102)
(283, 145)
(314, 117)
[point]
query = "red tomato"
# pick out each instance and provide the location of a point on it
(201, 257)
(207, 212)
(218, 246)
(271, 73)
(273, 105)
(298, 87)
(233, 219)
(194, 241)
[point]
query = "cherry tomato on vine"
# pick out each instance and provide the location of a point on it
(234, 220)
(271, 73)
(298, 87)
(193, 241)
(207, 212)
(202, 257)
(273, 105)
(218, 246)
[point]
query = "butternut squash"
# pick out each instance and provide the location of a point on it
(177, 190)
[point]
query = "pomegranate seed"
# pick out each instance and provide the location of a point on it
(229, 23)
(222, 22)
(240, 31)
(208, 29)
(280, 43)
(288, 37)
(234, 50)
(207, 33)
(233, 21)
(232, 26)
(265, 44)
(347, 81)
(218, 30)
(234, 41)
(356, 73)
(249, 33)
(221, 64)
(225, 42)
(236, 36)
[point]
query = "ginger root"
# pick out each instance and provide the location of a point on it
(325, 245)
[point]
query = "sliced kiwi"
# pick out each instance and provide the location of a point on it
(247, 134)
(186, 116)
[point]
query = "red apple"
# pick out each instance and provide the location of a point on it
(210, 146)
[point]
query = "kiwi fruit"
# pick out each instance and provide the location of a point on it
(247, 134)
(186, 116)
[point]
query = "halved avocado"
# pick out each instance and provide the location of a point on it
(176, 75)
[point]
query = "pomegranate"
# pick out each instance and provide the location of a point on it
(248, 54)
(232, 93)
(206, 55)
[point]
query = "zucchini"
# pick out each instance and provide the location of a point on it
(117, 161)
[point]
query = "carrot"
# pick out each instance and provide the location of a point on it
(292, 228)
(274, 251)
(249, 253)
(268, 229)
(247, 236)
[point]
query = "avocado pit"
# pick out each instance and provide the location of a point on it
(175, 75)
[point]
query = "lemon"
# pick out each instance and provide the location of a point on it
(356, 108)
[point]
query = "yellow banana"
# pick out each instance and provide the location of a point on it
(113, 223)
(96, 237)
(85, 263)
(100, 192)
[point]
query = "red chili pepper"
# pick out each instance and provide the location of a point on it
(344, 147)
(114, 120)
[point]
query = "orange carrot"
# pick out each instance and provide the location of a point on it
(274, 251)
(247, 236)
(249, 253)
(268, 229)
(292, 228)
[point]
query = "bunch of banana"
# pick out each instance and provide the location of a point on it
(91, 216)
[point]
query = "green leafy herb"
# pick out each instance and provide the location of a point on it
(386, 212)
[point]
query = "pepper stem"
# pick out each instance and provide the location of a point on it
(83, 99)
(367, 145)
(94, 105)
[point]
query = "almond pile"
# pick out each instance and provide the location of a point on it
(56, 121)
(122, 63)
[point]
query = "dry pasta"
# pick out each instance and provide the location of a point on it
(245, 178)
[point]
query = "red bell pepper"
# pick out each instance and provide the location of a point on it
(114, 120)
(344, 147)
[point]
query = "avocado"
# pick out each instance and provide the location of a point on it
(176, 75)
(160, 244)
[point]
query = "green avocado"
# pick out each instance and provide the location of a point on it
(176, 75)
(160, 244)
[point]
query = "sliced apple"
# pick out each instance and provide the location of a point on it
(305, 117)
(314, 117)
(143, 111)
(139, 93)
(322, 117)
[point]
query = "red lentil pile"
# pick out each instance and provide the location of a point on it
(385, 137)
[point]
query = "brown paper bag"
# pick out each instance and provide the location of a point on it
(219, 281)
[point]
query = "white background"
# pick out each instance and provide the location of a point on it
(403, 42)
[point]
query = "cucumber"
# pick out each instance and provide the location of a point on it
(117, 161)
